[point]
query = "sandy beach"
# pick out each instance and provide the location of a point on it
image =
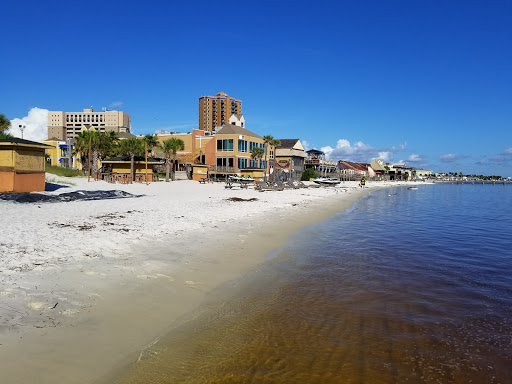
(85, 286)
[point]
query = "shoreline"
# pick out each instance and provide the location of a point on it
(125, 300)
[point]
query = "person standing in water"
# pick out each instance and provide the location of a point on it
(363, 182)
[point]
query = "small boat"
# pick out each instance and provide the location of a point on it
(326, 181)
(412, 188)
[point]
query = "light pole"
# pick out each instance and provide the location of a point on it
(22, 128)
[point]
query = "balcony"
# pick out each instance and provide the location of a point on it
(221, 169)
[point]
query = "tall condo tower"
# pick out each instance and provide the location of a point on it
(215, 111)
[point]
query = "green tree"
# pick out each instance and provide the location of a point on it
(109, 145)
(81, 149)
(257, 153)
(269, 141)
(308, 174)
(170, 148)
(151, 142)
(5, 123)
(133, 147)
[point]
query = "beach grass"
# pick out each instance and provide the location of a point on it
(60, 171)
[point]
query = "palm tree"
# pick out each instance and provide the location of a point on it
(269, 142)
(5, 123)
(133, 147)
(108, 144)
(81, 149)
(257, 153)
(95, 141)
(171, 147)
(151, 142)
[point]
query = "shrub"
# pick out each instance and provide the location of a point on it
(61, 171)
(308, 174)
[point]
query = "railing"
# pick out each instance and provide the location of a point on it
(221, 168)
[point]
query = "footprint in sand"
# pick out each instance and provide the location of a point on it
(36, 305)
(69, 312)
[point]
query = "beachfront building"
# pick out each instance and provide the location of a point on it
(119, 169)
(317, 161)
(423, 173)
(61, 153)
(67, 125)
(379, 168)
(215, 111)
(22, 165)
(398, 171)
(289, 159)
(229, 153)
(194, 152)
(357, 170)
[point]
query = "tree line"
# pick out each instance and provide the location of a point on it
(103, 145)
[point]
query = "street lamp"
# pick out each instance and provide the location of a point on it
(22, 128)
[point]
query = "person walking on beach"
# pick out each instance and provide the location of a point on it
(363, 182)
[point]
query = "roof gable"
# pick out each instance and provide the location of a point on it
(230, 129)
(291, 144)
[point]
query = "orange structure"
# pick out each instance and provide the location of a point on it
(22, 165)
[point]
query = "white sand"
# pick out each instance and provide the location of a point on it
(85, 285)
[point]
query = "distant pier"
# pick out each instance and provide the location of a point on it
(493, 182)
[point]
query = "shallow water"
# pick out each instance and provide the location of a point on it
(407, 286)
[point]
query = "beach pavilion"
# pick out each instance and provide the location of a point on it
(118, 169)
(22, 165)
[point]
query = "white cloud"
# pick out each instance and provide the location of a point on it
(116, 104)
(36, 125)
(414, 158)
(305, 144)
(508, 152)
(450, 157)
(360, 152)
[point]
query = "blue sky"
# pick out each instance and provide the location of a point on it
(425, 82)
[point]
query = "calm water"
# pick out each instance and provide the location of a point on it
(406, 287)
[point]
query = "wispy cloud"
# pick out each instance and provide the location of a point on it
(415, 158)
(35, 123)
(305, 144)
(360, 152)
(501, 159)
(180, 126)
(451, 158)
(116, 104)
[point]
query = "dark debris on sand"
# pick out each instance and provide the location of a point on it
(69, 196)
(240, 199)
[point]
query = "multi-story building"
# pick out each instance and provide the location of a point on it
(289, 160)
(215, 111)
(229, 152)
(64, 125)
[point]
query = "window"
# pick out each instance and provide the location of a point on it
(225, 145)
(252, 163)
(242, 163)
(225, 162)
(242, 145)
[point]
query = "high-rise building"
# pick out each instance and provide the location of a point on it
(215, 111)
(64, 125)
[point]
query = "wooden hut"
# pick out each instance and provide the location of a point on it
(22, 165)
